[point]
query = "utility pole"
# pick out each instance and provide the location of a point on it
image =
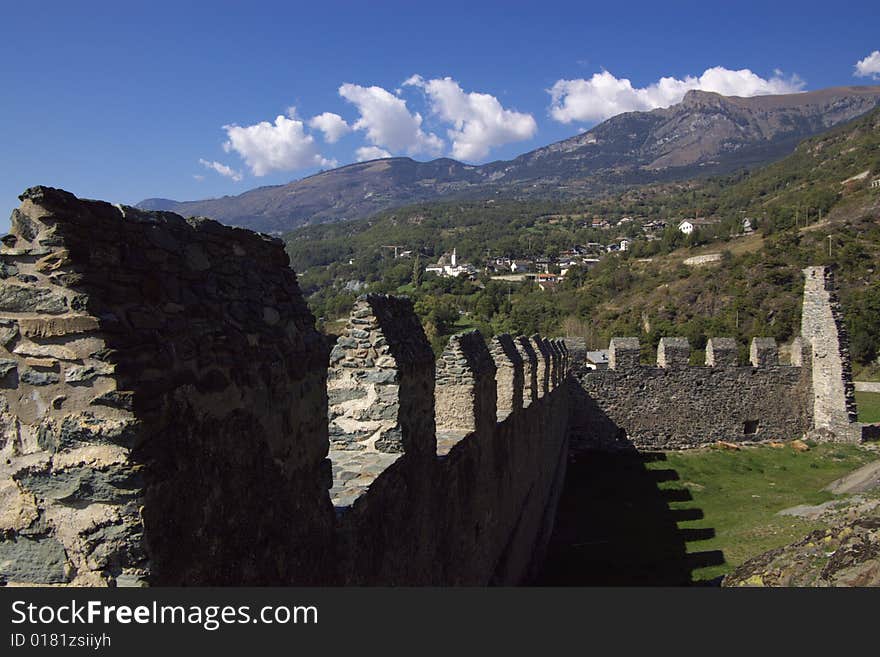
(829, 246)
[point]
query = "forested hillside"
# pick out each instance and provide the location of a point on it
(815, 207)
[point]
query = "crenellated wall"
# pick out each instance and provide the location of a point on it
(542, 371)
(378, 366)
(530, 369)
(170, 415)
(676, 405)
(481, 510)
(168, 418)
(509, 374)
(465, 394)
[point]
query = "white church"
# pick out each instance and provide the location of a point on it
(448, 266)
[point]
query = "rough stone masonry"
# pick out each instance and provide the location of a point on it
(167, 415)
(163, 408)
(674, 405)
(164, 420)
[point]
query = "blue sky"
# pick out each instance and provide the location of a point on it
(124, 101)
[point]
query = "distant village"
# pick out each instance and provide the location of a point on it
(547, 272)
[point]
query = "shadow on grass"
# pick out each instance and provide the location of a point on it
(614, 526)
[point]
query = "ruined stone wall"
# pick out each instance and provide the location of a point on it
(465, 389)
(675, 405)
(542, 371)
(165, 420)
(481, 510)
(576, 348)
(509, 374)
(375, 365)
(163, 408)
(824, 331)
(530, 369)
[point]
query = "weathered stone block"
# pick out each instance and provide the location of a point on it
(8, 331)
(54, 351)
(18, 509)
(508, 374)
(26, 299)
(84, 485)
(764, 352)
(544, 364)
(386, 357)
(673, 352)
(33, 561)
(465, 392)
(799, 353)
(49, 327)
(721, 352)
(623, 353)
(83, 373)
(530, 369)
(35, 378)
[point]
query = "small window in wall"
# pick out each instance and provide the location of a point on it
(750, 427)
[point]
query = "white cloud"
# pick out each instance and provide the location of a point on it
(332, 125)
(365, 153)
(220, 168)
(387, 121)
(479, 122)
(604, 95)
(282, 146)
(199, 177)
(869, 66)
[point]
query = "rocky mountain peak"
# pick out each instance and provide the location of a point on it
(705, 134)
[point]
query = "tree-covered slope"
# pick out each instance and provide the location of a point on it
(815, 207)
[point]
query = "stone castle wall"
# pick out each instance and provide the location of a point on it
(509, 373)
(163, 402)
(165, 420)
(480, 510)
(170, 416)
(824, 331)
(675, 405)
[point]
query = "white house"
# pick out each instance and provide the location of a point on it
(689, 225)
(875, 184)
(624, 245)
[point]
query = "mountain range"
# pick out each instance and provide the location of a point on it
(706, 133)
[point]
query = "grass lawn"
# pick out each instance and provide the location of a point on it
(869, 406)
(866, 372)
(739, 493)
